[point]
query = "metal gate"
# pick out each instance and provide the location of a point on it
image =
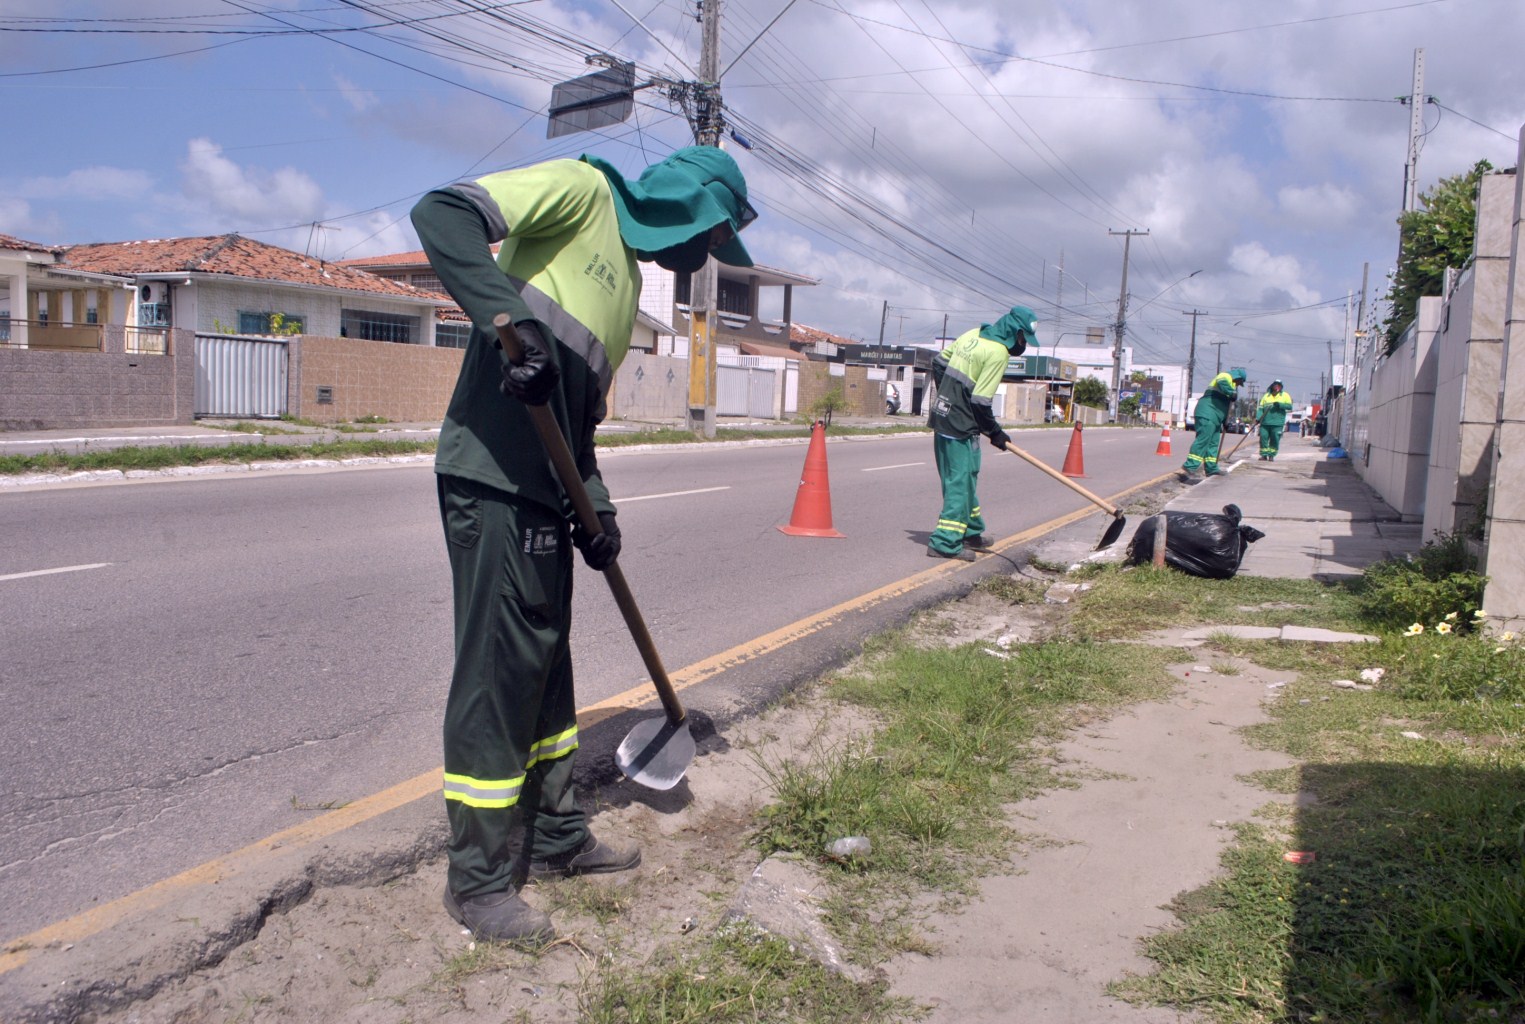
(744, 391)
(240, 377)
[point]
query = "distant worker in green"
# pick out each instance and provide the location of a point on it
(1275, 405)
(1211, 413)
(967, 374)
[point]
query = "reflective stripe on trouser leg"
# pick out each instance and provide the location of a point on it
(1204, 447)
(957, 465)
(976, 519)
(510, 719)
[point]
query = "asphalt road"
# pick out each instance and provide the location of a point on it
(191, 666)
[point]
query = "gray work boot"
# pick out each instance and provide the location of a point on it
(962, 555)
(501, 917)
(979, 543)
(594, 857)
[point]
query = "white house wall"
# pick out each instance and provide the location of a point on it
(217, 302)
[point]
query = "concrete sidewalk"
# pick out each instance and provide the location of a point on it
(1321, 520)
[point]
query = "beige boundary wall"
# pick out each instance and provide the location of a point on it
(400, 383)
(46, 390)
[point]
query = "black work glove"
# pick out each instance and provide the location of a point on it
(1000, 439)
(598, 552)
(533, 380)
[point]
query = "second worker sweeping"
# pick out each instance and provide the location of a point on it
(967, 374)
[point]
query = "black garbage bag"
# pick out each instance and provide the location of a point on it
(1199, 543)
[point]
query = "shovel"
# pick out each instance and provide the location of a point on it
(1114, 529)
(657, 751)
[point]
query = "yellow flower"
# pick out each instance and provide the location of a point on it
(1508, 635)
(1451, 617)
(1414, 630)
(1443, 627)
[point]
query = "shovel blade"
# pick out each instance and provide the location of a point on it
(656, 753)
(1114, 531)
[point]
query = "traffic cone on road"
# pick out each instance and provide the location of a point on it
(1074, 459)
(812, 502)
(1163, 448)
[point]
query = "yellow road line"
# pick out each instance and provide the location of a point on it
(232, 865)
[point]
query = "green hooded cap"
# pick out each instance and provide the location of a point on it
(692, 191)
(1015, 330)
(1237, 375)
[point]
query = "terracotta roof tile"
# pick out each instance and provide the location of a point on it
(234, 256)
(22, 245)
(799, 334)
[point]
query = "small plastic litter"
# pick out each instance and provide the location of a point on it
(1337, 453)
(1411, 735)
(849, 848)
(1299, 856)
(1373, 675)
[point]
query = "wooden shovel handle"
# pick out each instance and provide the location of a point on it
(571, 482)
(1108, 507)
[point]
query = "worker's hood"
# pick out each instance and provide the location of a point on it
(1015, 330)
(689, 193)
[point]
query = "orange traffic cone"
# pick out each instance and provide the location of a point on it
(812, 502)
(1074, 460)
(1163, 448)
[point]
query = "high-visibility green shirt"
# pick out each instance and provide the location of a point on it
(1216, 402)
(562, 264)
(967, 373)
(1273, 409)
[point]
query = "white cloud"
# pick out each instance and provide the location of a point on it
(236, 196)
(360, 100)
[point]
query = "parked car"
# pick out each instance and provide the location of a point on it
(1236, 427)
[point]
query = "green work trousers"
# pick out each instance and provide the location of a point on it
(1270, 439)
(1209, 438)
(958, 467)
(511, 717)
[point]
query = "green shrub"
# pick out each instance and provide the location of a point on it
(1437, 664)
(1439, 580)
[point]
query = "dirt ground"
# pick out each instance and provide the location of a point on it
(1157, 785)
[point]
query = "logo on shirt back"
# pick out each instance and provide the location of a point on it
(599, 270)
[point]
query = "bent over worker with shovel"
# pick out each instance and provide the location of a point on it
(567, 279)
(1210, 414)
(967, 374)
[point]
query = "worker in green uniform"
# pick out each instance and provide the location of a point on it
(572, 232)
(967, 374)
(1211, 412)
(1275, 404)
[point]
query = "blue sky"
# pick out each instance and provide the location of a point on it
(941, 157)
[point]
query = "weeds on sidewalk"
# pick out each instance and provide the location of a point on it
(965, 731)
(1412, 807)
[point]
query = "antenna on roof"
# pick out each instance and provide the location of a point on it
(317, 226)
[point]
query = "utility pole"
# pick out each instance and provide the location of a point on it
(708, 123)
(1059, 299)
(1219, 346)
(1416, 101)
(1122, 314)
(884, 314)
(1191, 355)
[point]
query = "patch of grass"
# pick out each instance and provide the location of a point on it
(604, 901)
(1124, 603)
(162, 457)
(480, 957)
(963, 735)
(1013, 590)
(1414, 909)
(736, 976)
